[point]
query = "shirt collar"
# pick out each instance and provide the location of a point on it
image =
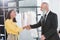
(47, 12)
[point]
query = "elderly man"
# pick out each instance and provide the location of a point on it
(48, 22)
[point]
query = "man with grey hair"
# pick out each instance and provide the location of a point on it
(48, 22)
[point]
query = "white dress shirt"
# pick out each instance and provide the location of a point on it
(47, 13)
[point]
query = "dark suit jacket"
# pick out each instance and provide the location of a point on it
(49, 28)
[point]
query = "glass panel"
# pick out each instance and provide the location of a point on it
(11, 0)
(1, 11)
(12, 4)
(28, 3)
(39, 11)
(27, 17)
(1, 3)
(39, 2)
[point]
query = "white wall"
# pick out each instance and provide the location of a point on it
(55, 7)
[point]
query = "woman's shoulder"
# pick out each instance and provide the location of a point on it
(7, 20)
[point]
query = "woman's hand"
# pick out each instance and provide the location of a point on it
(24, 27)
(27, 27)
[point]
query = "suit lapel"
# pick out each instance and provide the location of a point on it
(48, 16)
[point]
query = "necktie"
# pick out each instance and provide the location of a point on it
(45, 17)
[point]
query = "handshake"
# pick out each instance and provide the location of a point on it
(27, 27)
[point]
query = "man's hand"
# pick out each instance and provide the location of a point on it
(43, 37)
(27, 27)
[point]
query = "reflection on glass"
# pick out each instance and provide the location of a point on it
(28, 16)
(28, 3)
(39, 2)
(12, 4)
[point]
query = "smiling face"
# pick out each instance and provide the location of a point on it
(13, 14)
(44, 6)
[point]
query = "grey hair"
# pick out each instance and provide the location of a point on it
(45, 3)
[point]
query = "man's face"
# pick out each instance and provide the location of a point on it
(43, 7)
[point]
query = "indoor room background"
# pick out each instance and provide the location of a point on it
(28, 12)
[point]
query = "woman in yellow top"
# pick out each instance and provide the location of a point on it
(10, 25)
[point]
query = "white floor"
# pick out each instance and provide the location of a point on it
(25, 35)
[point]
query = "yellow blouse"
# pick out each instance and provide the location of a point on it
(11, 27)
